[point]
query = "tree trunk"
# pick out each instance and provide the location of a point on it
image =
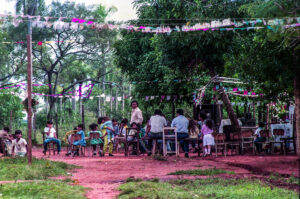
(297, 111)
(116, 100)
(73, 101)
(227, 103)
(111, 101)
(99, 103)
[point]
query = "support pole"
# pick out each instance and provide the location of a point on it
(82, 116)
(29, 91)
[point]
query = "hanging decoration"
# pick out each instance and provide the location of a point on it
(63, 23)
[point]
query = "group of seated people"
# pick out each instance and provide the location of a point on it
(12, 144)
(110, 132)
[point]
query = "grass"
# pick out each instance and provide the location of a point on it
(207, 188)
(18, 169)
(200, 172)
(290, 180)
(41, 190)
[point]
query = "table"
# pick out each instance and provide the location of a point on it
(226, 122)
(288, 132)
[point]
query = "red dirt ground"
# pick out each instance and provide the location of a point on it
(104, 174)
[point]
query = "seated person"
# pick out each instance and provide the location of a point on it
(258, 137)
(123, 127)
(131, 137)
(193, 132)
(8, 143)
(81, 142)
(51, 137)
(19, 145)
(155, 127)
(96, 141)
(3, 137)
(67, 139)
(116, 127)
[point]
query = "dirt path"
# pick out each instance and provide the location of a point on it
(104, 175)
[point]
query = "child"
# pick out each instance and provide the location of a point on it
(258, 138)
(95, 141)
(131, 137)
(67, 139)
(19, 145)
(208, 139)
(8, 143)
(123, 127)
(107, 131)
(51, 137)
(81, 142)
(116, 127)
(193, 132)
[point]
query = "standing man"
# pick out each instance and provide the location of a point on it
(181, 123)
(136, 114)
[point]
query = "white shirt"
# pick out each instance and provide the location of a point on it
(51, 134)
(136, 116)
(20, 146)
(157, 123)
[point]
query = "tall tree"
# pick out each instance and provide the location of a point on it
(270, 58)
(180, 55)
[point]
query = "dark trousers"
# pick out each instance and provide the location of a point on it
(153, 136)
(183, 143)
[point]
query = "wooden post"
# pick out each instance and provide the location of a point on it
(29, 99)
(116, 98)
(254, 111)
(268, 112)
(82, 116)
(10, 121)
(56, 125)
(123, 102)
(111, 104)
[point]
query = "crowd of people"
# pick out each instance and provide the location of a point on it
(107, 133)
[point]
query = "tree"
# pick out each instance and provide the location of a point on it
(51, 59)
(271, 58)
(186, 56)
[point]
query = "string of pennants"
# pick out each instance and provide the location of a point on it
(198, 96)
(76, 93)
(87, 93)
(63, 23)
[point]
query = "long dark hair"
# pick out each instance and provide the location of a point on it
(209, 124)
(192, 125)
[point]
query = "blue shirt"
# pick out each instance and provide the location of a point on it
(116, 128)
(181, 123)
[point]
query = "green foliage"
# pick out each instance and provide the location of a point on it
(40, 190)
(269, 59)
(200, 172)
(10, 105)
(18, 169)
(206, 188)
(168, 58)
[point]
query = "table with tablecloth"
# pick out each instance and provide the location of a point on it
(288, 132)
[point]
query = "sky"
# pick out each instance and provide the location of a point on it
(125, 8)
